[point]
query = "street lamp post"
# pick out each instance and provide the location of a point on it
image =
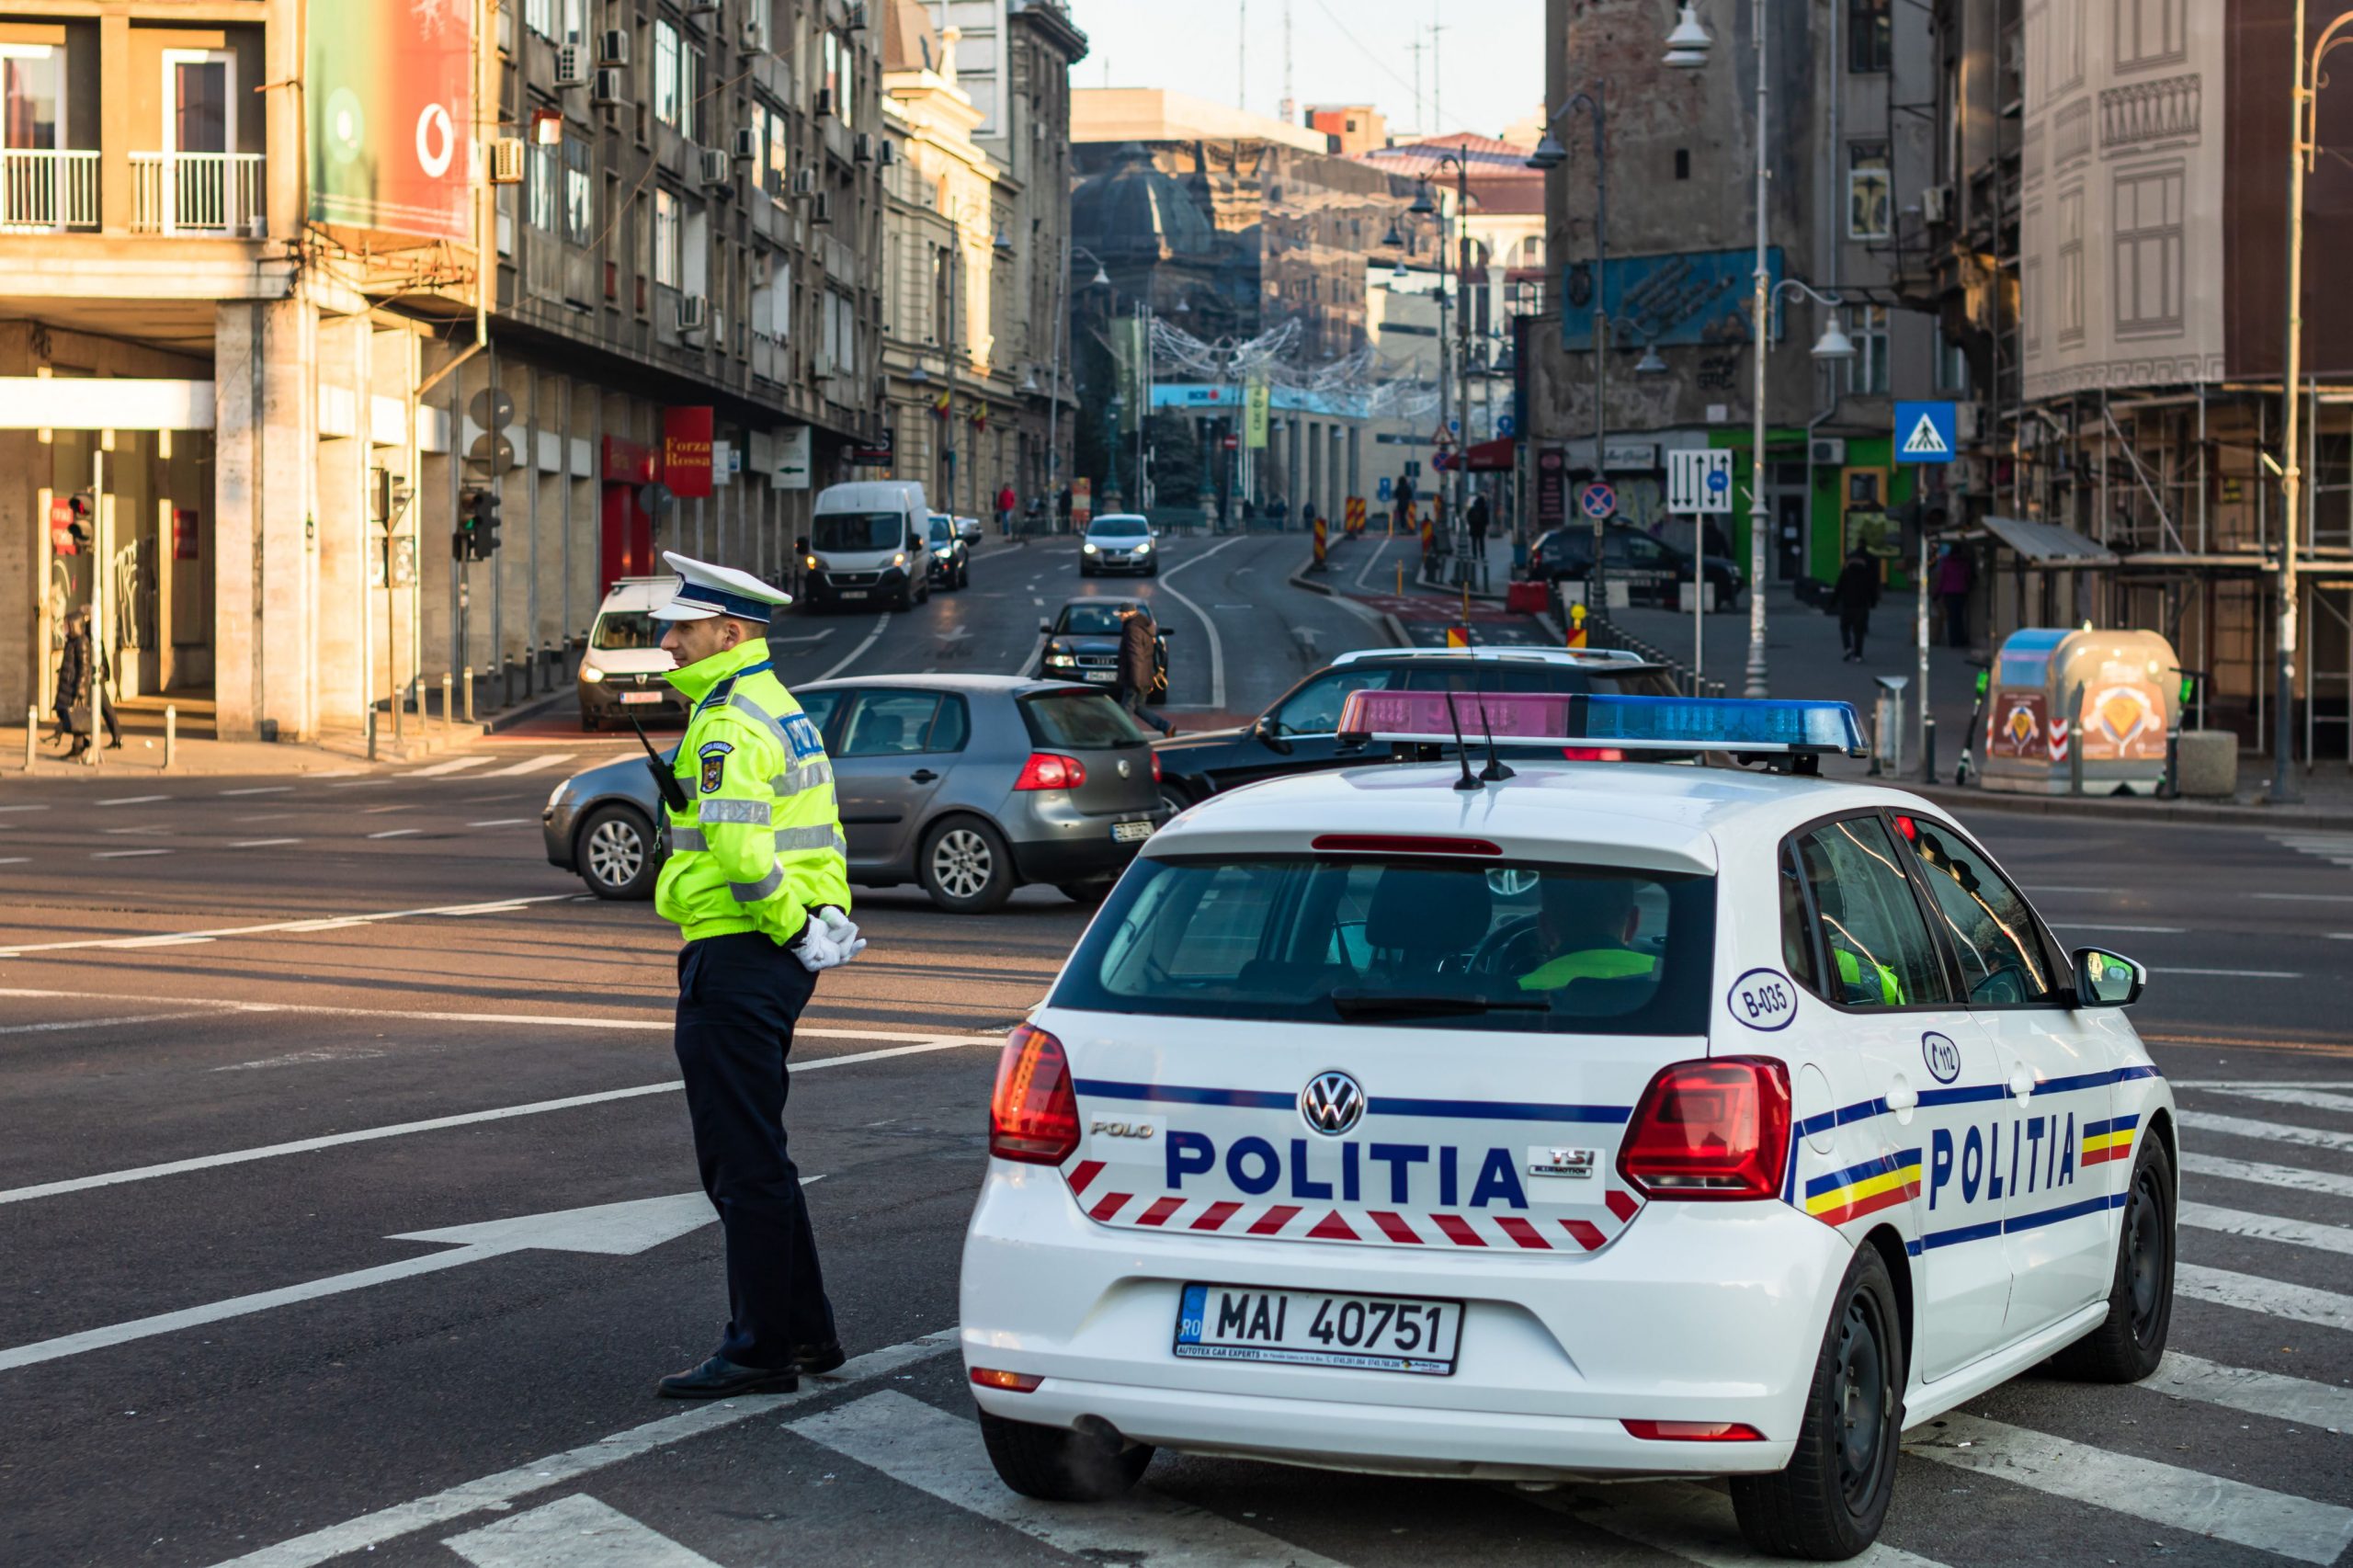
(1549, 154)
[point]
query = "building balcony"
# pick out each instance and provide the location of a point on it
(42, 191)
(197, 193)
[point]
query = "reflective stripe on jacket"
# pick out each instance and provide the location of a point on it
(760, 842)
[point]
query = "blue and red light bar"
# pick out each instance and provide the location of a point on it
(1623, 723)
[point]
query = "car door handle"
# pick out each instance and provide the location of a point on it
(923, 776)
(1903, 1097)
(2022, 1085)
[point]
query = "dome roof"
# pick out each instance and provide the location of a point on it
(1134, 212)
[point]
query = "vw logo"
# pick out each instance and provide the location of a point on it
(1331, 1104)
(1124, 769)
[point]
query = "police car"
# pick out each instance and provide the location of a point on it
(1568, 1120)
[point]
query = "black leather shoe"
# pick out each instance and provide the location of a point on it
(809, 1360)
(720, 1378)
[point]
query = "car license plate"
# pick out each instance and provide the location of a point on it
(635, 697)
(853, 592)
(1131, 831)
(1101, 677)
(1312, 1328)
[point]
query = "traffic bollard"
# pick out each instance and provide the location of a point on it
(470, 693)
(371, 733)
(1928, 747)
(2076, 740)
(446, 710)
(548, 657)
(171, 735)
(32, 735)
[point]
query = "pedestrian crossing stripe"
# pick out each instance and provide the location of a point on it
(2105, 1141)
(1926, 441)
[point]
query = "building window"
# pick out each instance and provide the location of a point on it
(1870, 364)
(2070, 267)
(2148, 253)
(545, 191)
(690, 94)
(1870, 194)
(1869, 40)
(778, 175)
(829, 63)
(579, 209)
(36, 92)
(665, 239)
(666, 73)
(576, 20)
(1683, 162)
(2148, 32)
(539, 16)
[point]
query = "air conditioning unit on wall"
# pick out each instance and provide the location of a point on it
(612, 47)
(571, 66)
(1829, 451)
(718, 168)
(612, 86)
(694, 312)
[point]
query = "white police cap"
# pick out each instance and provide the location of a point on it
(705, 590)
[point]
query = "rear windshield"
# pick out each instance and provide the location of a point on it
(1411, 941)
(857, 530)
(1079, 720)
(1117, 527)
(626, 629)
(1091, 620)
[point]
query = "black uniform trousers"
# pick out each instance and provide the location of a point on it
(739, 996)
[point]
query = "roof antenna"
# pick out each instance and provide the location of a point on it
(1494, 772)
(1466, 782)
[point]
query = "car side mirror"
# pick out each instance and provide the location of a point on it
(800, 545)
(1268, 733)
(1167, 632)
(2105, 980)
(1045, 629)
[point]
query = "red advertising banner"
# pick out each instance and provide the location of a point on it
(686, 451)
(389, 98)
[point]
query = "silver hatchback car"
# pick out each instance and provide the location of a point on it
(969, 785)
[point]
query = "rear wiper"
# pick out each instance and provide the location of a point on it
(1352, 1004)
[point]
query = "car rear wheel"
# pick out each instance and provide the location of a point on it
(1090, 893)
(1057, 1465)
(965, 866)
(2130, 1340)
(614, 851)
(1828, 1505)
(964, 574)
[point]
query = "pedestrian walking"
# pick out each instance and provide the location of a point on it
(1954, 581)
(1475, 515)
(1140, 668)
(83, 676)
(1854, 596)
(757, 885)
(1005, 505)
(1062, 510)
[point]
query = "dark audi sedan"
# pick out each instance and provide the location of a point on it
(969, 785)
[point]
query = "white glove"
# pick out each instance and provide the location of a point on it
(843, 931)
(829, 940)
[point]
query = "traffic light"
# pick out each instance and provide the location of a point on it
(476, 538)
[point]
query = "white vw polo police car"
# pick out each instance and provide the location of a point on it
(1580, 1120)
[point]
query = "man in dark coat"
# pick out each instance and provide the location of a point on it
(1475, 516)
(1140, 668)
(72, 680)
(1854, 596)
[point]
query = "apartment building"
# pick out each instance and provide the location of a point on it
(250, 227)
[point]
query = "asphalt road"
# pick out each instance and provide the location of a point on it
(270, 1087)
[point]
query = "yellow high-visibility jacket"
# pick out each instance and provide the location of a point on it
(759, 844)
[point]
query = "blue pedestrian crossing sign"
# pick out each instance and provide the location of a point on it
(1924, 433)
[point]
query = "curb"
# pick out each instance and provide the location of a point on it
(522, 712)
(2133, 809)
(1390, 626)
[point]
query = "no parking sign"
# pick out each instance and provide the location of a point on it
(1598, 500)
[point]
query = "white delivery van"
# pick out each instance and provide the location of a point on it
(621, 672)
(867, 545)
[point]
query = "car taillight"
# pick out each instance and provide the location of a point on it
(1033, 1114)
(1593, 754)
(1011, 1383)
(1679, 1431)
(1050, 770)
(1716, 1129)
(1155, 768)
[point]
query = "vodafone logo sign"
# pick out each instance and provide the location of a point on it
(436, 141)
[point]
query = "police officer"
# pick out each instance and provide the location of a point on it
(1586, 926)
(757, 883)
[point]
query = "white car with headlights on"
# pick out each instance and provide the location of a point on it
(1576, 1120)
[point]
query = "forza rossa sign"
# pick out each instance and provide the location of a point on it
(389, 102)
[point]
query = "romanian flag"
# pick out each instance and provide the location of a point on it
(2105, 1141)
(1864, 1190)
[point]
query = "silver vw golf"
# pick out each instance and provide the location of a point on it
(969, 785)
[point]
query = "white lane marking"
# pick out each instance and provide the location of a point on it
(442, 769)
(817, 636)
(572, 1533)
(852, 656)
(258, 790)
(2272, 1132)
(438, 1123)
(2312, 1095)
(2268, 1228)
(500, 822)
(2149, 930)
(363, 783)
(125, 854)
(1683, 1519)
(2305, 897)
(134, 800)
(33, 808)
(1038, 600)
(528, 764)
(14, 860)
(922, 1446)
(1372, 561)
(1217, 648)
(296, 1058)
(2248, 1292)
(497, 1492)
(260, 844)
(2166, 1494)
(62, 1025)
(2299, 1400)
(2295, 1178)
(398, 832)
(2231, 973)
(611, 1230)
(2231, 1085)
(380, 810)
(133, 832)
(10, 951)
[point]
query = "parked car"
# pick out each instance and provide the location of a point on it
(864, 543)
(1082, 642)
(622, 670)
(969, 530)
(969, 785)
(1651, 568)
(1296, 733)
(952, 557)
(1119, 542)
